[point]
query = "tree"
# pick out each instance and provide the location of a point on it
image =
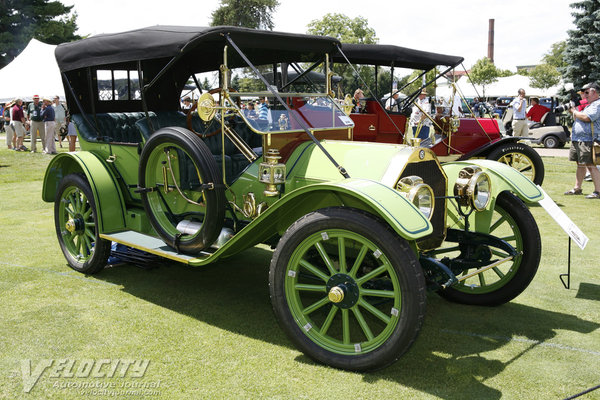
(583, 44)
(343, 28)
(484, 73)
(350, 30)
(50, 22)
(247, 13)
(544, 76)
(556, 56)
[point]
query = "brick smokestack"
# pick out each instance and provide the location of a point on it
(491, 41)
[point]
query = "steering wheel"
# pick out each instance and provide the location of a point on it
(190, 113)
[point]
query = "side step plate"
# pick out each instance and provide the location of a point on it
(154, 245)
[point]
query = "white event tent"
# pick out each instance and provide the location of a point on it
(34, 71)
(506, 86)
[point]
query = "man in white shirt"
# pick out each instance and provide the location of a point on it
(419, 121)
(391, 104)
(519, 122)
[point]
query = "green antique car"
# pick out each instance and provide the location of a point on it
(360, 230)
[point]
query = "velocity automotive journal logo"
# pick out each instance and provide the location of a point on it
(86, 374)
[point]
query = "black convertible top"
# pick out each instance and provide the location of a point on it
(388, 55)
(204, 44)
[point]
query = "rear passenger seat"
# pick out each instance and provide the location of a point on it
(133, 126)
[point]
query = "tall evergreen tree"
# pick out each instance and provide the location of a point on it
(582, 52)
(247, 13)
(48, 21)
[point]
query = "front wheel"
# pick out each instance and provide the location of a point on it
(521, 157)
(347, 290)
(76, 222)
(513, 223)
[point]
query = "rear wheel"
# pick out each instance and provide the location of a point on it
(551, 142)
(521, 157)
(347, 290)
(182, 189)
(76, 223)
(513, 223)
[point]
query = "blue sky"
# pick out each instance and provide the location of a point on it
(524, 30)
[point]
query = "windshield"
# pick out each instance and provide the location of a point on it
(304, 102)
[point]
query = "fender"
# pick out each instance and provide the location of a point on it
(483, 151)
(373, 197)
(110, 204)
(503, 178)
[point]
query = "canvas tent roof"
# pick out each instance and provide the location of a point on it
(34, 71)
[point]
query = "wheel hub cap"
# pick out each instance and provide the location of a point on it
(70, 225)
(336, 294)
(343, 291)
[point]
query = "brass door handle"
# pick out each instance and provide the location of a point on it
(372, 127)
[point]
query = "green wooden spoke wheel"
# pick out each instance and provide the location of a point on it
(76, 226)
(513, 223)
(183, 192)
(347, 290)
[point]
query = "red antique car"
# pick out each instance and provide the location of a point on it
(473, 138)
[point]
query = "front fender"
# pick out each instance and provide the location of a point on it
(373, 197)
(503, 178)
(109, 200)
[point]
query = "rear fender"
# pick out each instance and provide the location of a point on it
(109, 200)
(373, 197)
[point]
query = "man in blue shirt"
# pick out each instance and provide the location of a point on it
(586, 129)
(519, 122)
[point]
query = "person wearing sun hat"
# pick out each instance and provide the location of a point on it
(586, 130)
(418, 118)
(34, 114)
(48, 116)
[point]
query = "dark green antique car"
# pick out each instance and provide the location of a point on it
(360, 230)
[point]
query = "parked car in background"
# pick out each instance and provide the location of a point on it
(501, 104)
(456, 138)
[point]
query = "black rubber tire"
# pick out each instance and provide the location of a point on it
(561, 145)
(551, 142)
(520, 148)
(209, 172)
(405, 266)
(99, 250)
(527, 265)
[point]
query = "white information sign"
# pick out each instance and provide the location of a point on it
(563, 220)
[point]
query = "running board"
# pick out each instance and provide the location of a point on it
(156, 246)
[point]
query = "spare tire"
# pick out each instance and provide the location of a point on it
(182, 189)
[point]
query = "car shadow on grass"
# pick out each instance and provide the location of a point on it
(232, 294)
(448, 359)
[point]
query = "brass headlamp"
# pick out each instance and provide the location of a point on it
(473, 188)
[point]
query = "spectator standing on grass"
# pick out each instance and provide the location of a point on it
(49, 123)
(11, 137)
(34, 114)
(17, 121)
(60, 115)
(586, 128)
(71, 133)
(519, 122)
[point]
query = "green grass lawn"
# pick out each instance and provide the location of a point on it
(209, 332)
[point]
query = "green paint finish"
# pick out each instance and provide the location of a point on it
(107, 194)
